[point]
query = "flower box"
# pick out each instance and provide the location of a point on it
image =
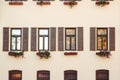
(16, 54)
(43, 3)
(43, 54)
(15, 3)
(104, 53)
(70, 53)
(70, 3)
(102, 3)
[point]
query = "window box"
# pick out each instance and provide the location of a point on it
(43, 3)
(70, 3)
(43, 54)
(104, 53)
(102, 3)
(70, 53)
(16, 54)
(15, 3)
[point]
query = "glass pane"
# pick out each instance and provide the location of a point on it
(70, 31)
(102, 31)
(99, 42)
(73, 43)
(16, 31)
(46, 43)
(13, 43)
(68, 43)
(104, 43)
(43, 32)
(18, 43)
(40, 43)
(102, 76)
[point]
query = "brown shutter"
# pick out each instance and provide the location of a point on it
(53, 39)
(25, 39)
(112, 38)
(80, 38)
(92, 39)
(33, 39)
(5, 39)
(60, 39)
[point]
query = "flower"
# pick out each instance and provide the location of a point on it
(102, 3)
(104, 53)
(43, 54)
(70, 53)
(70, 3)
(16, 54)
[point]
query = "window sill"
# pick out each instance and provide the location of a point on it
(15, 3)
(70, 53)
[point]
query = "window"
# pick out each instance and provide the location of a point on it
(16, 39)
(15, 75)
(70, 39)
(102, 39)
(102, 74)
(43, 75)
(43, 39)
(70, 75)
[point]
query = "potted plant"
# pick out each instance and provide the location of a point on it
(70, 3)
(102, 3)
(70, 53)
(16, 53)
(42, 2)
(43, 54)
(104, 53)
(15, 3)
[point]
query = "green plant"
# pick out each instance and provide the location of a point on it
(43, 54)
(16, 54)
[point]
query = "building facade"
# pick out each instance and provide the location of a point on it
(59, 40)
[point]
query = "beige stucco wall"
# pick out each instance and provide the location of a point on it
(86, 14)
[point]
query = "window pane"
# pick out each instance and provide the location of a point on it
(18, 43)
(73, 43)
(16, 31)
(67, 42)
(104, 43)
(46, 43)
(102, 31)
(40, 43)
(43, 32)
(99, 42)
(70, 31)
(13, 43)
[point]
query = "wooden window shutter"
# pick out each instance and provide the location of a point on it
(53, 39)
(33, 39)
(25, 39)
(60, 39)
(92, 39)
(80, 38)
(5, 39)
(112, 39)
